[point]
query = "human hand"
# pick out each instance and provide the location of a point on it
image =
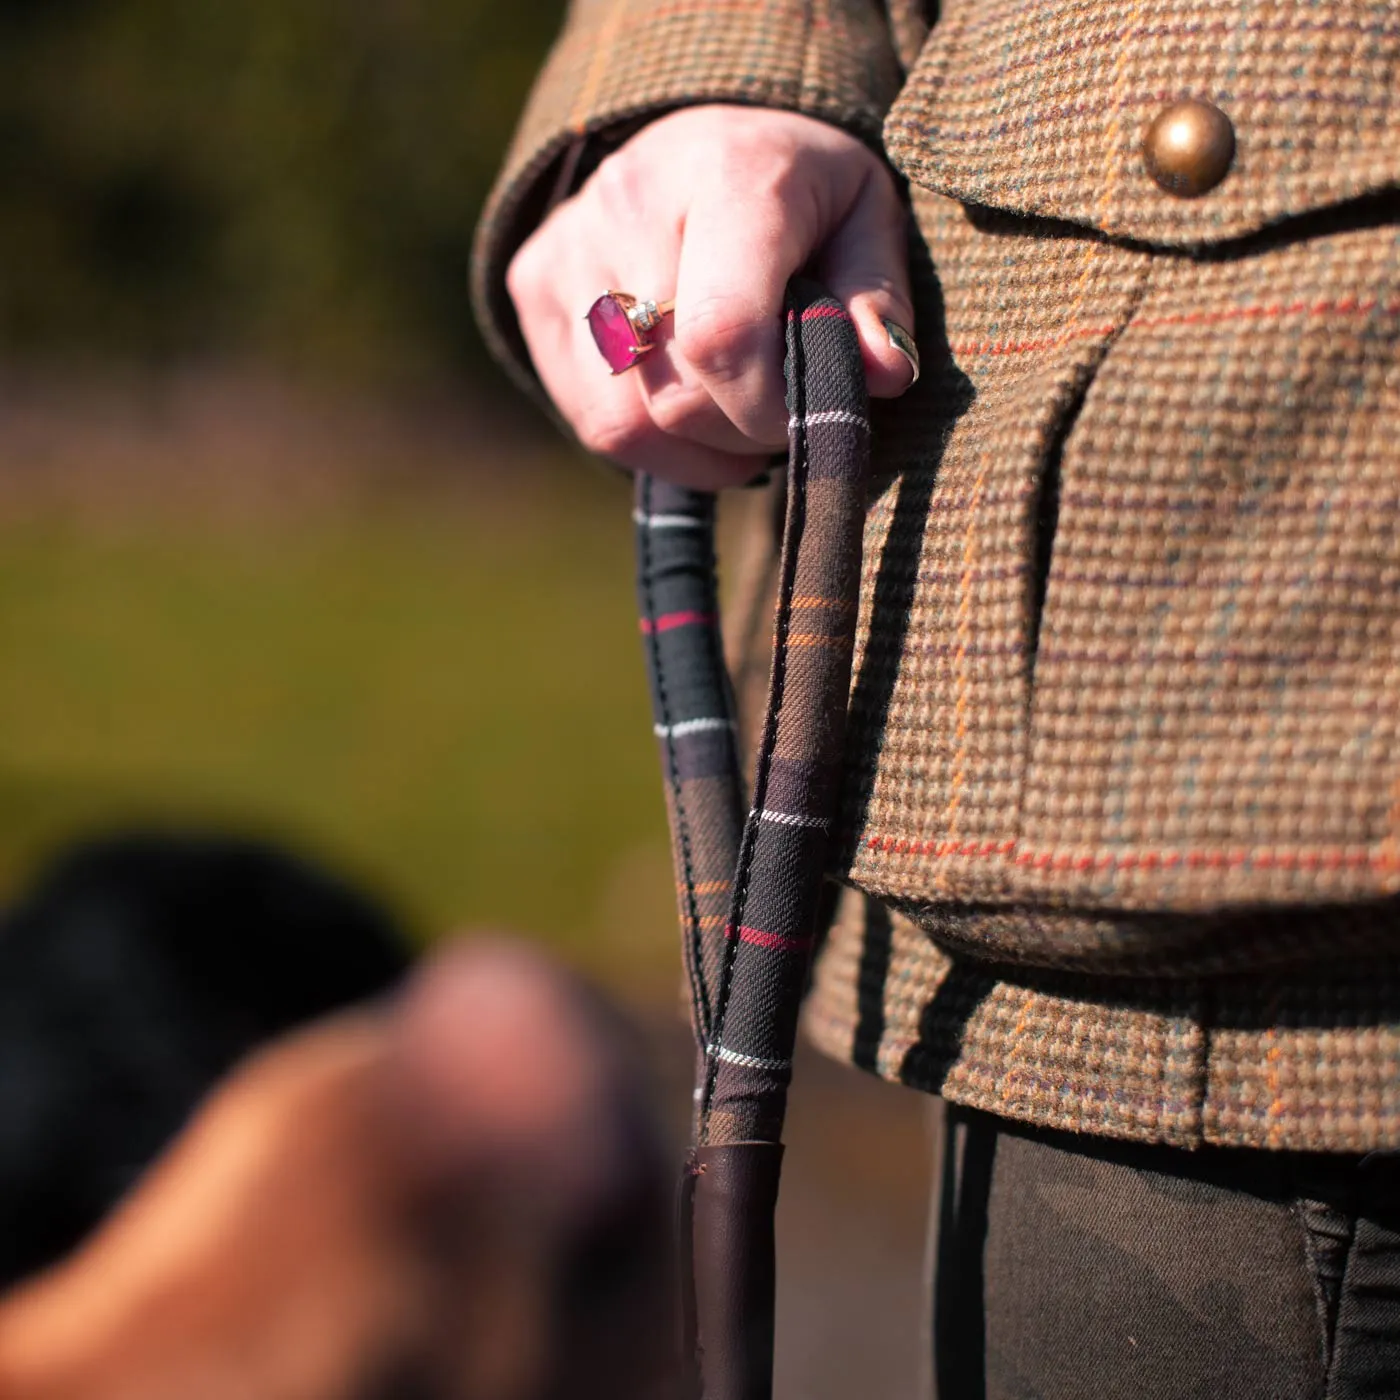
(715, 207)
(458, 1196)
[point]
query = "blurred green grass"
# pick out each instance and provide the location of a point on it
(434, 685)
(439, 691)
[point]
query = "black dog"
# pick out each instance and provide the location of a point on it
(136, 973)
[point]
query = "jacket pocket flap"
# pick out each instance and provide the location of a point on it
(1042, 108)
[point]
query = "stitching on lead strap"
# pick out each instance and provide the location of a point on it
(834, 415)
(787, 588)
(734, 1057)
(793, 819)
(667, 522)
(684, 727)
(718, 669)
(696, 969)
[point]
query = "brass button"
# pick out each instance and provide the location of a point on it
(1188, 149)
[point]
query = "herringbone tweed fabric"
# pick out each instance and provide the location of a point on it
(1122, 762)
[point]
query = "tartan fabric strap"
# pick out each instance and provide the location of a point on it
(749, 885)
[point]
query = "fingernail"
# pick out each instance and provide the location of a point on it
(901, 340)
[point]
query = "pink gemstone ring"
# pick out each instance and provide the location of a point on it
(622, 326)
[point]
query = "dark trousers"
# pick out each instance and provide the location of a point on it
(1073, 1268)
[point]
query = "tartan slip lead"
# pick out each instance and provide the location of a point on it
(749, 876)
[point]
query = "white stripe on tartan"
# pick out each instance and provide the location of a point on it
(733, 1057)
(792, 819)
(668, 522)
(835, 415)
(690, 726)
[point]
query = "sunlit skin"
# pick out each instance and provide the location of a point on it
(716, 207)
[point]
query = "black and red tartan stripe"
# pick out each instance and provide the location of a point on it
(692, 718)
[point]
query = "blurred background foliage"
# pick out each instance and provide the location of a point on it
(290, 179)
(273, 554)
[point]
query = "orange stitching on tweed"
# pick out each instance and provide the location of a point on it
(1275, 1082)
(1331, 858)
(1182, 30)
(1093, 252)
(1345, 306)
(958, 780)
(1115, 106)
(1390, 844)
(1185, 29)
(691, 8)
(1009, 1081)
(592, 79)
(964, 636)
(1018, 347)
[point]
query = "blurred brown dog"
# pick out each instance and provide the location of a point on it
(459, 1195)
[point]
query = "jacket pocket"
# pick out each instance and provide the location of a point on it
(1212, 723)
(1042, 108)
(1217, 689)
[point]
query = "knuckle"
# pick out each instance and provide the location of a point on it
(693, 415)
(677, 414)
(888, 287)
(609, 434)
(522, 277)
(718, 336)
(619, 185)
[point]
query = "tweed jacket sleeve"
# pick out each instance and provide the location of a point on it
(619, 61)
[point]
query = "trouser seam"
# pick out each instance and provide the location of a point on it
(1326, 1321)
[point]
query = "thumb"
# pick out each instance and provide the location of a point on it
(865, 266)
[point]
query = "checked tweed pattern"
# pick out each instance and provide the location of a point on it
(1120, 815)
(749, 886)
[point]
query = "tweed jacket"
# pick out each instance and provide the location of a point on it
(1120, 841)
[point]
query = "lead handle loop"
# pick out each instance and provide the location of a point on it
(749, 874)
